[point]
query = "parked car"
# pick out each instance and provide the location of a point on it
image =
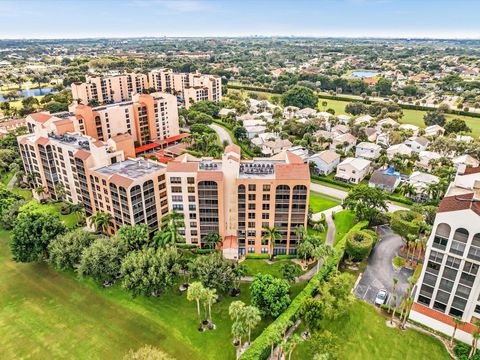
(381, 298)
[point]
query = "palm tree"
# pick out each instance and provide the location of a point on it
(210, 297)
(235, 310)
(40, 190)
(59, 191)
(170, 225)
(272, 234)
(410, 240)
(457, 321)
(300, 232)
(251, 317)
(408, 306)
(101, 221)
(475, 337)
(239, 329)
(408, 190)
(78, 210)
(394, 287)
(294, 340)
(211, 240)
(195, 292)
(322, 252)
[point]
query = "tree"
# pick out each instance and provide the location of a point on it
(211, 240)
(251, 317)
(292, 343)
(194, 293)
(321, 252)
(355, 108)
(147, 353)
(300, 97)
(66, 250)
(239, 330)
(384, 87)
(149, 271)
(31, 235)
(269, 294)
(171, 223)
(101, 221)
(456, 125)
(102, 260)
(475, 337)
(359, 244)
(305, 250)
(240, 133)
(210, 297)
(272, 234)
(366, 202)
(135, 237)
(290, 271)
(214, 271)
(434, 118)
(324, 345)
(457, 321)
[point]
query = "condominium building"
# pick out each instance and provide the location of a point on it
(239, 198)
(449, 285)
(109, 89)
(191, 87)
(131, 191)
(148, 117)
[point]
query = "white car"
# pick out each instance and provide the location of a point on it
(381, 298)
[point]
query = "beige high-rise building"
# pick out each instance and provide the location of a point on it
(120, 88)
(239, 198)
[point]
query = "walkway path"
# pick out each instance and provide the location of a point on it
(12, 182)
(223, 134)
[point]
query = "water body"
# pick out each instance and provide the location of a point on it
(364, 73)
(30, 92)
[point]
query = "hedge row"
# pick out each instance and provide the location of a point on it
(261, 346)
(353, 99)
(258, 256)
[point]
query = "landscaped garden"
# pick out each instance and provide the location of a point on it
(362, 334)
(321, 202)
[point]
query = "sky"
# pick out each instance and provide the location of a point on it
(321, 18)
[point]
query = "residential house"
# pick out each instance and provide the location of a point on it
(409, 127)
(344, 142)
(467, 160)
(386, 123)
(363, 120)
(371, 134)
(225, 112)
(385, 178)
(425, 158)
(368, 150)
(326, 161)
(340, 130)
(273, 147)
(434, 130)
(417, 143)
(353, 170)
(300, 151)
(398, 149)
(306, 112)
(343, 119)
(420, 182)
(289, 112)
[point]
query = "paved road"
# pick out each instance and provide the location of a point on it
(380, 271)
(223, 134)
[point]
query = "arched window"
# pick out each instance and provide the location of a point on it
(459, 241)
(442, 234)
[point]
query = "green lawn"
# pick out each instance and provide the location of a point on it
(362, 334)
(261, 266)
(318, 202)
(344, 221)
(45, 314)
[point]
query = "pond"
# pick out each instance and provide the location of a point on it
(364, 73)
(30, 92)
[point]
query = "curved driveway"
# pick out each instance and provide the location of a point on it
(223, 134)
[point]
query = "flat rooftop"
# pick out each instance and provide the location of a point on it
(74, 140)
(258, 169)
(132, 169)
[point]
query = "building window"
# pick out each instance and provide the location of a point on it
(266, 187)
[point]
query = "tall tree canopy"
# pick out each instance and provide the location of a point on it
(300, 97)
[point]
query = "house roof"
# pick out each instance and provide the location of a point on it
(368, 145)
(379, 177)
(472, 170)
(327, 156)
(357, 163)
(419, 140)
(459, 202)
(41, 117)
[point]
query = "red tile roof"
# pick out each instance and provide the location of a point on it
(292, 172)
(120, 180)
(41, 117)
(459, 202)
(209, 176)
(472, 170)
(82, 154)
(41, 141)
(177, 166)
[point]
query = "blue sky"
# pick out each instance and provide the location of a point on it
(343, 18)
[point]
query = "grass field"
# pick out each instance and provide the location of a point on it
(320, 203)
(45, 314)
(261, 266)
(344, 221)
(362, 334)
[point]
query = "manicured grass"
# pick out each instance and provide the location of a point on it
(362, 334)
(45, 314)
(398, 261)
(344, 221)
(70, 220)
(261, 266)
(318, 202)
(335, 186)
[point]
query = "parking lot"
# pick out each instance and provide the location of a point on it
(380, 271)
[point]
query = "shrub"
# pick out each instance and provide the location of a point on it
(258, 256)
(358, 245)
(405, 222)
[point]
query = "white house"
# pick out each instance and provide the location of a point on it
(340, 130)
(226, 112)
(345, 142)
(363, 120)
(467, 160)
(255, 130)
(417, 143)
(425, 157)
(420, 182)
(409, 127)
(387, 122)
(326, 161)
(300, 151)
(368, 150)
(344, 119)
(306, 112)
(386, 179)
(371, 134)
(434, 130)
(400, 149)
(276, 146)
(352, 170)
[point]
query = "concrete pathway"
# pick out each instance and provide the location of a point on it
(12, 182)
(223, 134)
